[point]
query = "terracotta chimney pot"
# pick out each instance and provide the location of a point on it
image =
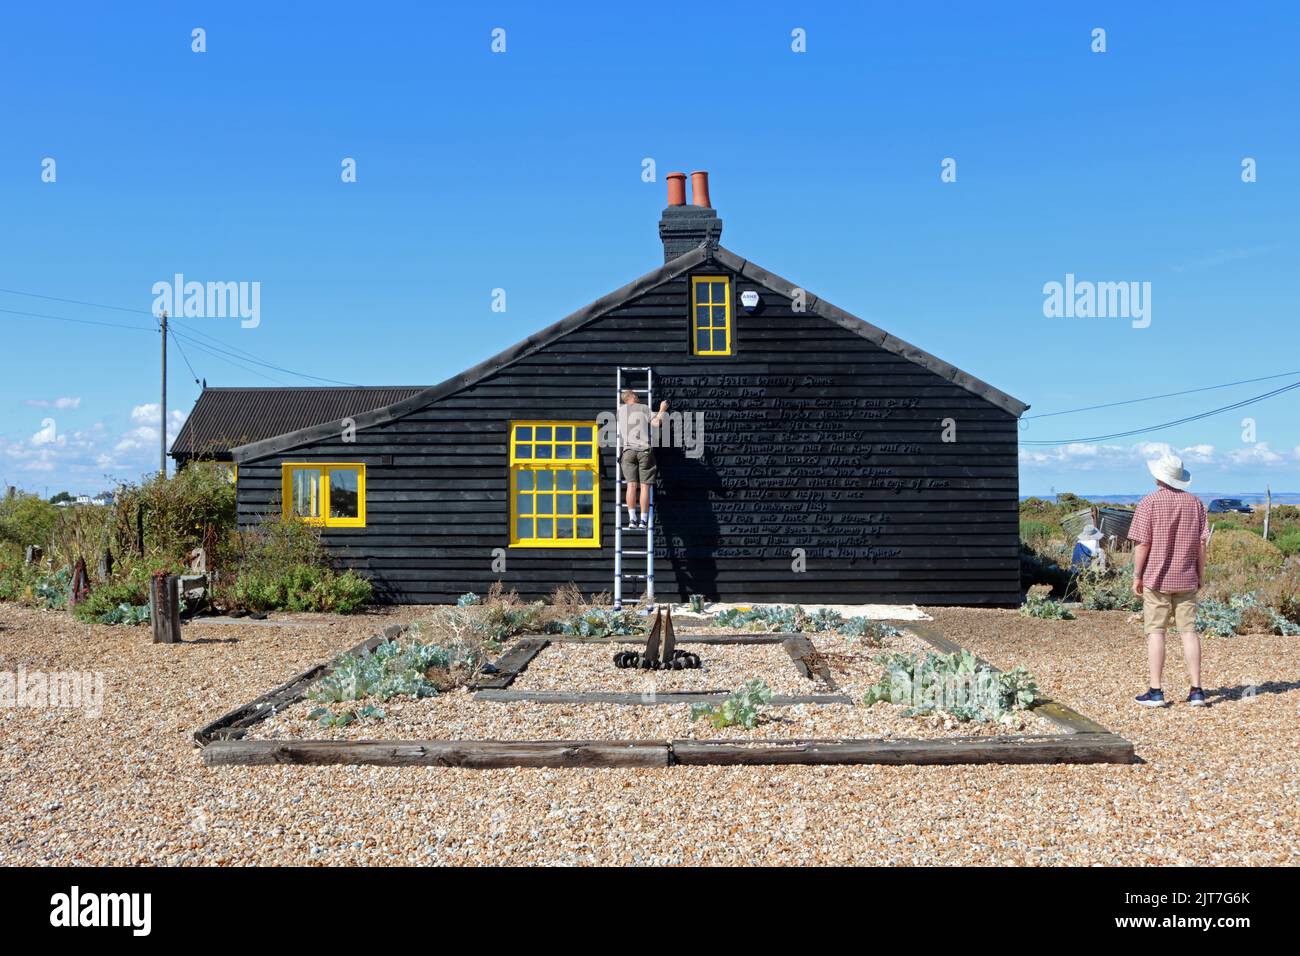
(676, 189)
(700, 189)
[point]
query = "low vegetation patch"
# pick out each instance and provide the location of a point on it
(958, 685)
(793, 618)
(598, 622)
(1109, 589)
(1038, 604)
(1242, 614)
(742, 708)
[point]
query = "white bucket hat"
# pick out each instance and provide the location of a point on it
(1170, 470)
(1091, 533)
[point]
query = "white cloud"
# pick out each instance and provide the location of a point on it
(1091, 457)
(67, 402)
(91, 458)
(1257, 454)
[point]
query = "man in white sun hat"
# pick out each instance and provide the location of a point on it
(1170, 529)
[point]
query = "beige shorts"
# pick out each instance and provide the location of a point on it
(639, 465)
(1161, 608)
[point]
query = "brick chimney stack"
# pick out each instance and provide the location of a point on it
(682, 227)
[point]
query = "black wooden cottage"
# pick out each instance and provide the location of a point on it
(839, 464)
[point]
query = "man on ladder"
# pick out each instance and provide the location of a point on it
(637, 470)
(637, 462)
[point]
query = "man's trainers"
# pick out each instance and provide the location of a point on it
(1196, 697)
(1152, 698)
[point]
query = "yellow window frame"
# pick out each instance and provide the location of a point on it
(708, 285)
(324, 520)
(561, 455)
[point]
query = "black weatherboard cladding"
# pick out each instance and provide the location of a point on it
(821, 433)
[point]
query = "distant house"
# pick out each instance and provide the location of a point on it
(839, 464)
(223, 418)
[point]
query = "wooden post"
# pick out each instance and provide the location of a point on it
(80, 583)
(1268, 508)
(139, 530)
(166, 607)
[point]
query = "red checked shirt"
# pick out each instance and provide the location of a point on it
(1174, 524)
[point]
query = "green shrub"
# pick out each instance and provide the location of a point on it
(743, 707)
(27, 519)
(1038, 604)
(177, 513)
(1107, 590)
(301, 588)
(956, 684)
(17, 581)
(1288, 542)
(1033, 532)
(120, 603)
(1241, 548)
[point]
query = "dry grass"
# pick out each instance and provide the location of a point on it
(1216, 786)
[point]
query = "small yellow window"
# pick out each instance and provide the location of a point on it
(554, 485)
(329, 494)
(710, 315)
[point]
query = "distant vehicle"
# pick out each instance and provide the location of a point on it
(1220, 506)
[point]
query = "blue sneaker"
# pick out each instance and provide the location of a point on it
(1196, 697)
(1152, 698)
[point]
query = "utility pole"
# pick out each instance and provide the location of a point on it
(162, 428)
(1268, 509)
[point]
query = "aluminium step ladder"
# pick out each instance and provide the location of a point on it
(648, 548)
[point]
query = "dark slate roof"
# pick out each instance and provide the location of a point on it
(256, 449)
(225, 417)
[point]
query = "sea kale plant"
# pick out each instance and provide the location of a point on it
(796, 619)
(598, 622)
(959, 685)
(1038, 604)
(741, 708)
(873, 633)
(1242, 613)
(324, 717)
(393, 669)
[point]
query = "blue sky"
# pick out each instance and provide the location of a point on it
(522, 171)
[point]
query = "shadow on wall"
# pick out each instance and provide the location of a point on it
(685, 516)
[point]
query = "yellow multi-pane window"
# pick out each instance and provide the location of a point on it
(554, 485)
(710, 315)
(332, 494)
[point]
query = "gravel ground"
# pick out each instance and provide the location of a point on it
(1217, 786)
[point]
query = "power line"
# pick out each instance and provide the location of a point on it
(257, 361)
(189, 366)
(64, 318)
(1180, 421)
(228, 349)
(194, 343)
(1151, 398)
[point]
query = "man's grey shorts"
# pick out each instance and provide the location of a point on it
(638, 465)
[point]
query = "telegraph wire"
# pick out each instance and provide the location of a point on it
(1181, 421)
(1152, 398)
(229, 350)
